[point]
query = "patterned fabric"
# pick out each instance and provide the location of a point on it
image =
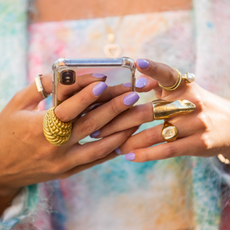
(178, 193)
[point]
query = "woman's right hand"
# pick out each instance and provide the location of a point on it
(27, 157)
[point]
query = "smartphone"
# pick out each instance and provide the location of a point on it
(66, 71)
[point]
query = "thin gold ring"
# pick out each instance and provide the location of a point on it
(188, 78)
(169, 132)
(56, 131)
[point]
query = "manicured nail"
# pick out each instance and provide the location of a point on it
(99, 75)
(95, 134)
(130, 156)
(117, 151)
(128, 84)
(99, 88)
(131, 98)
(142, 63)
(141, 82)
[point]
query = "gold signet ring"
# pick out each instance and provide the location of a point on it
(169, 132)
(165, 109)
(56, 132)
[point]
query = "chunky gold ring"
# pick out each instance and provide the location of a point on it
(166, 109)
(56, 132)
(188, 77)
(39, 86)
(169, 132)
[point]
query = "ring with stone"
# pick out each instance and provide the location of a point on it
(169, 132)
(188, 77)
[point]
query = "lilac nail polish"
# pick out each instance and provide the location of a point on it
(130, 156)
(95, 134)
(99, 75)
(117, 151)
(142, 63)
(131, 98)
(141, 82)
(128, 84)
(99, 88)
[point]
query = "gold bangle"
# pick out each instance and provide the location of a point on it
(56, 132)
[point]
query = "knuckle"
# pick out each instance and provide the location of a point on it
(18, 96)
(144, 113)
(169, 150)
(115, 107)
(88, 125)
(55, 168)
(83, 99)
(205, 122)
(101, 151)
(149, 137)
(146, 156)
(153, 67)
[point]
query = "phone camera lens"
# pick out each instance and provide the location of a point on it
(68, 77)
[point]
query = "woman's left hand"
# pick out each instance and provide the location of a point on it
(204, 132)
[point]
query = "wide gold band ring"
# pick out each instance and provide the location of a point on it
(166, 109)
(39, 86)
(169, 132)
(56, 132)
(188, 77)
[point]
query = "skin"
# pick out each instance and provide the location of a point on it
(28, 158)
(204, 129)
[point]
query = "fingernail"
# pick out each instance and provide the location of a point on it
(99, 88)
(117, 151)
(130, 156)
(99, 75)
(141, 82)
(131, 98)
(128, 84)
(95, 134)
(142, 63)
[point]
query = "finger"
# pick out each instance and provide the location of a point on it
(29, 97)
(189, 146)
(114, 91)
(145, 84)
(94, 120)
(66, 91)
(90, 152)
(72, 107)
(152, 136)
(164, 74)
(81, 168)
(135, 116)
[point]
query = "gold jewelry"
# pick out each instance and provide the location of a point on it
(39, 86)
(188, 77)
(165, 109)
(56, 132)
(169, 132)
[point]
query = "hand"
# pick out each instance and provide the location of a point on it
(204, 132)
(27, 157)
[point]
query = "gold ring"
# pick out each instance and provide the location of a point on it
(56, 132)
(188, 77)
(39, 86)
(166, 109)
(169, 132)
